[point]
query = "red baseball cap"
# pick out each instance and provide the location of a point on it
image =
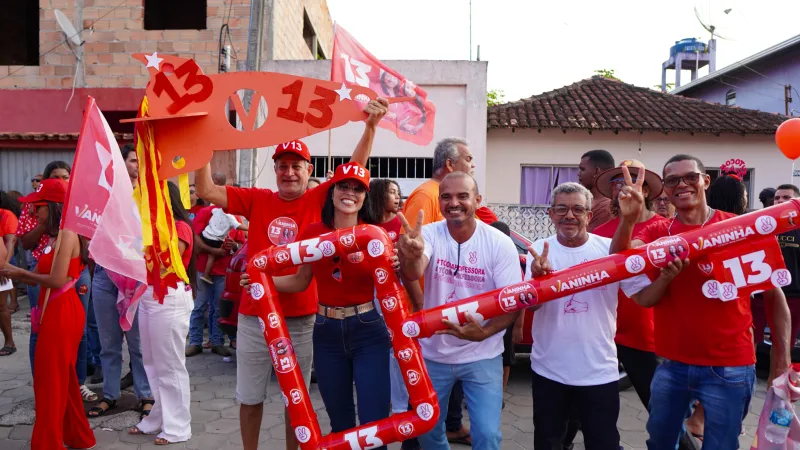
(352, 171)
(51, 190)
(296, 147)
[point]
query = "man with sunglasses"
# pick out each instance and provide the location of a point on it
(36, 181)
(573, 357)
(707, 343)
(277, 218)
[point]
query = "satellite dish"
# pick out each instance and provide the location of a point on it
(719, 22)
(72, 34)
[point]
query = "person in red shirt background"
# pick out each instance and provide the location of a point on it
(350, 341)
(634, 338)
(707, 343)
(9, 210)
(385, 201)
(208, 295)
(276, 218)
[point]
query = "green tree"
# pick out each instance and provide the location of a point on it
(495, 97)
(606, 73)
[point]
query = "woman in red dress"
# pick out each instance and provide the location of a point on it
(60, 419)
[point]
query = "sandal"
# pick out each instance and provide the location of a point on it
(6, 351)
(13, 310)
(87, 394)
(98, 410)
(145, 412)
(136, 431)
(162, 441)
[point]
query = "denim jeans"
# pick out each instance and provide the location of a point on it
(84, 280)
(208, 296)
(482, 382)
(725, 393)
(104, 296)
(92, 337)
(398, 386)
(33, 298)
(352, 349)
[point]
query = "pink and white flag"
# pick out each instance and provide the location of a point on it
(100, 206)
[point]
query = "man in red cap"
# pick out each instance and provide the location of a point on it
(277, 218)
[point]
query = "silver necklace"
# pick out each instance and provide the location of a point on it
(710, 212)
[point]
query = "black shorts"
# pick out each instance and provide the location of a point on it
(211, 242)
(509, 357)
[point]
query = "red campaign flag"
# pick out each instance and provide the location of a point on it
(351, 63)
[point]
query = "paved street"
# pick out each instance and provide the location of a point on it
(215, 414)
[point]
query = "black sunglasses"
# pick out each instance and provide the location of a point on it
(36, 180)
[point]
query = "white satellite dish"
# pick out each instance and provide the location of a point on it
(720, 21)
(69, 30)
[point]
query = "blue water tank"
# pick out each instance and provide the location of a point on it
(689, 45)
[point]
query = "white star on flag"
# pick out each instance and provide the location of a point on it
(153, 60)
(105, 160)
(343, 93)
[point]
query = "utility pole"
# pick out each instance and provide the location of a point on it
(470, 30)
(248, 158)
(787, 97)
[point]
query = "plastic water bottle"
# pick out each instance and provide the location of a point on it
(780, 418)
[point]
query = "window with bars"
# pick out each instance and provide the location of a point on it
(380, 167)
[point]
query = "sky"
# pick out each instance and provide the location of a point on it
(535, 46)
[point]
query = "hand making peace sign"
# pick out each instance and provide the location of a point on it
(411, 245)
(631, 199)
(540, 264)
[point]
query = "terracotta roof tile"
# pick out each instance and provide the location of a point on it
(600, 103)
(11, 136)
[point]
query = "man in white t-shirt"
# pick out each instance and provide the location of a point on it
(573, 356)
(461, 257)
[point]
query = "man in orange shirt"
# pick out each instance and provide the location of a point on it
(277, 218)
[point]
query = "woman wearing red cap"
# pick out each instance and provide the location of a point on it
(60, 419)
(350, 337)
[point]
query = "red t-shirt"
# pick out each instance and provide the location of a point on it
(634, 322)
(341, 280)
(185, 234)
(691, 328)
(194, 210)
(392, 228)
(199, 224)
(274, 221)
(8, 223)
(486, 215)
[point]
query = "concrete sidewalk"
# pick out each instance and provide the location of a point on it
(215, 413)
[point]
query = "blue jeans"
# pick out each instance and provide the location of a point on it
(84, 280)
(724, 392)
(33, 299)
(483, 388)
(352, 349)
(208, 296)
(104, 296)
(92, 337)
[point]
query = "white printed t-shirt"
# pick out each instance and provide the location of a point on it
(488, 261)
(573, 336)
(220, 225)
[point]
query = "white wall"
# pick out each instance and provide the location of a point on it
(508, 151)
(457, 88)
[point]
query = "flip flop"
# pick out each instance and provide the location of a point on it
(6, 351)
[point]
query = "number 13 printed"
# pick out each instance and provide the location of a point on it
(759, 270)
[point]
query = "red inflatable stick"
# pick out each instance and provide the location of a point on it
(373, 243)
(190, 110)
(742, 254)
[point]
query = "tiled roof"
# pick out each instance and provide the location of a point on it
(600, 103)
(7, 136)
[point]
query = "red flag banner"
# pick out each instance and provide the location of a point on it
(412, 121)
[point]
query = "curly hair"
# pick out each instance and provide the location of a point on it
(10, 203)
(727, 193)
(378, 192)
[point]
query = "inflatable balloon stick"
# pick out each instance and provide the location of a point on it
(190, 111)
(377, 247)
(740, 254)
(787, 137)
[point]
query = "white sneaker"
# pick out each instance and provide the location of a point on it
(87, 394)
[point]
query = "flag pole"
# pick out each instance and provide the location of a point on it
(333, 55)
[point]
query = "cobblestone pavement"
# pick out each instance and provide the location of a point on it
(215, 414)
